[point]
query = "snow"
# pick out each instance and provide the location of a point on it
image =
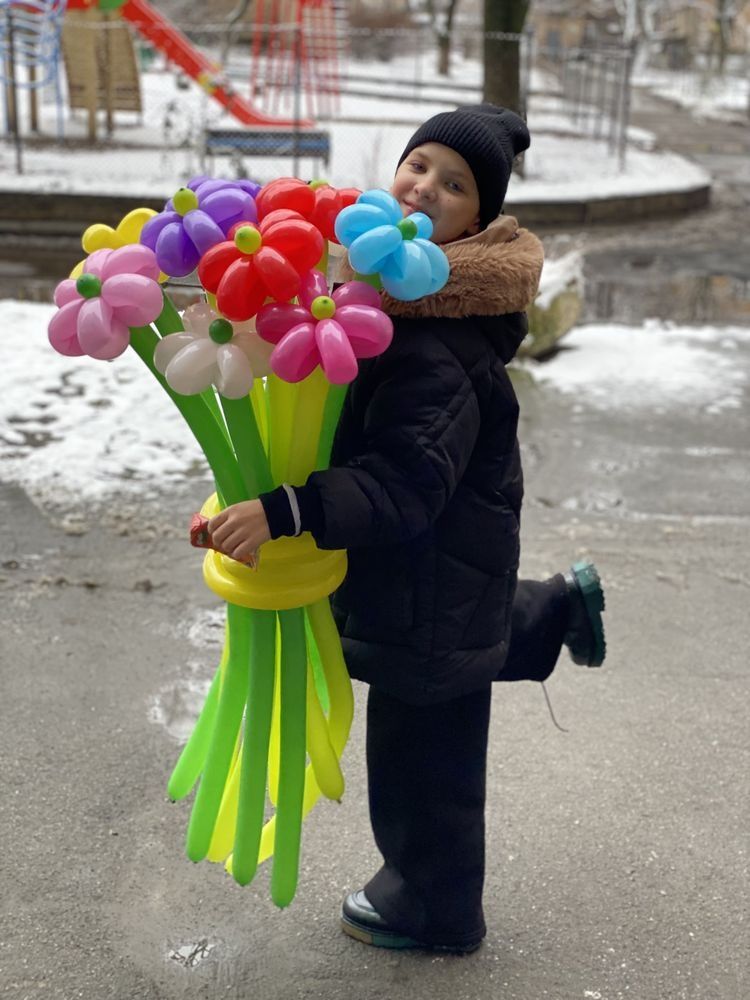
(83, 431)
(570, 169)
(726, 97)
(557, 275)
(657, 367)
(75, 426)
(558, 168)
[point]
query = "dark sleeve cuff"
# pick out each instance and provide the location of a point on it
(279, 512)
(311, 510)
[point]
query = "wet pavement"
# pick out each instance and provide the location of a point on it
(617, 851)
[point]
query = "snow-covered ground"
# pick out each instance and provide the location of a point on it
(558, 168)
(50, 405)
(726, 97)
(656, 367)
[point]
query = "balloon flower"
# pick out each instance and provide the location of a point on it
(380, 241)
(269, 738)
(212, 351)
(128, 230)
(318, 202)
(193, 221)
(260, 262)
(117, 289)
(327, 330)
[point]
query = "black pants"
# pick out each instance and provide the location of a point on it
(426, 769)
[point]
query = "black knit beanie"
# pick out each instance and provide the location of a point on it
(488, 138)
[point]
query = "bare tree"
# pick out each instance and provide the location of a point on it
(503, 23)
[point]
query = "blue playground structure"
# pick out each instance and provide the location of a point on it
(29, 59)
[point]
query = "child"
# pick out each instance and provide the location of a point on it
(424, 491)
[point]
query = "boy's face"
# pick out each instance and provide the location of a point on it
(438, 181)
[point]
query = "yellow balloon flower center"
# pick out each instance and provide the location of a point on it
(323, 307)
(319, 183)
(185, 201)
(248, 240)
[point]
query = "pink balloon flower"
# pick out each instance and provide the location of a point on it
(327, 330)
(117, 289)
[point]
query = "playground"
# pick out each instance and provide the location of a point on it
(116, 99)
(93, 73)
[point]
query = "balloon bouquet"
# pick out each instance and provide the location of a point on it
(259, 370)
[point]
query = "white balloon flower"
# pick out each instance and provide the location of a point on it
(212, 351)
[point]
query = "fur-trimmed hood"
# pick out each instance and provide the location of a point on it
(493, 273)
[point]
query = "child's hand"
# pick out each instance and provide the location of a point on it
(239, 530)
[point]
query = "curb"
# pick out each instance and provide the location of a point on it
(32, 213)
(617, 209)
(67, 215)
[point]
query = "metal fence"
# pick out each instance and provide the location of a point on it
(595, 84)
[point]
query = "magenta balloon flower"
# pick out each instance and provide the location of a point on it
(195, 219)
(327, 330)
(117, 289)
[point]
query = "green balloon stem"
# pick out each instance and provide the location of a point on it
(228, 720)
(199, 419)
(331, 414)
(169, 320)
(252, 797)
(248, 445)
(370, 279)
(293, 752)
(188, 768)
(319, 676)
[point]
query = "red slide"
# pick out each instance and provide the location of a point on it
(176, 47)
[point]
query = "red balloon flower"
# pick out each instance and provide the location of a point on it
(318, 202)
(258, 262)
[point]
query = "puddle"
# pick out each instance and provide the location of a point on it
(206, 630)
(177, 704)
(191, 955)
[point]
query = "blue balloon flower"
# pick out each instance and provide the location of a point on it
(381, 241)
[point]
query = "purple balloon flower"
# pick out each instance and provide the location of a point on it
(195, 219)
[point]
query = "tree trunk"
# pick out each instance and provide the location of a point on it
(502, 56)
(723, 26)
(444, 55)
(443, 22)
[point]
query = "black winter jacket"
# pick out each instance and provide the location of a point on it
(425, 484)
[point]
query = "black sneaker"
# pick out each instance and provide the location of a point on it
(360, 920)
(585, 635)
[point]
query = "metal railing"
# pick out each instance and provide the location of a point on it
(595, 86)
